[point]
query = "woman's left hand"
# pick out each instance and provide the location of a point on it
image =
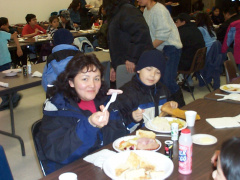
(94, 118)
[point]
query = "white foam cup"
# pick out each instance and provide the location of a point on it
(68, 176)
(190, 118)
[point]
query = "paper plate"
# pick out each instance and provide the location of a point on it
(153, 128)
(227, 86)
(160, 161)
(9, 72)
(125, 138)
(204, 139)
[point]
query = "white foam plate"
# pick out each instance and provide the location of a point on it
(229, 86)
(160, 161)
(203, 139)
(9, 72)
(126, 138)
(150, 127)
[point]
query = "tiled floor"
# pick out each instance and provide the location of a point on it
(30, 110)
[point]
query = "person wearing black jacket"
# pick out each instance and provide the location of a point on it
(230, 15)
(145, 93)
(128, 33)
(191, 38)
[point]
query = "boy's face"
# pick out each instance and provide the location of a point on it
(63, 19)
(33, 22)
(55, 23)
(149, 75)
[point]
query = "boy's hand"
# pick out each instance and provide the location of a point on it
(169, 105)
(75, 25)
(94, 118)
(36, 31)
(138, 114)
(173, 104)
(19, 52)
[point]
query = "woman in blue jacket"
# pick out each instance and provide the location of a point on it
(70, 126)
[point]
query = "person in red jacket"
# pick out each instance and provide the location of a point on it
(32, 29)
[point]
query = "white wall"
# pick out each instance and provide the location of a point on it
(16, 10)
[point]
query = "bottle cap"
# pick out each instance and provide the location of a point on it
(186, 131)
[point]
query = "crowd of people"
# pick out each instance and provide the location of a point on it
(150, 43)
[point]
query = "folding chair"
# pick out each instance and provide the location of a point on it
(230, 71)
(35, 129)
(231, 58)
(198, 64)
(122, 75)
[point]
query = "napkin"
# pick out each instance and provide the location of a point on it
(37, 74)
(99, 157)
(224, 122)
(4, 84)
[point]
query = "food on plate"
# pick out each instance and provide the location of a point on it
(175, 112)
(230, 88)
(205, 140)
(144, 140)
(137, 167)
(162, 124)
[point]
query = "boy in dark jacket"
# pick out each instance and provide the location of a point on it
(145, 93)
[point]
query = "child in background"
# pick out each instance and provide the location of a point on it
(217, 16)
(66, 22)
(5, 63)
(53, 27)
(95, 21)
(227, 160)
(16, 60)
(32, 28)
(145, 91)
(4, 26)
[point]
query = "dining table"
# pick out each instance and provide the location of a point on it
(24, 42)
(17, 83)
(213, 95)
(201, 165)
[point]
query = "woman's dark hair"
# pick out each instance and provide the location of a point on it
(52, 18)
(74, 66)
(111, 7)
(230, 158)
(3, 21)
(203, 19)
(74, 5)
(29, 17)
(214, 8)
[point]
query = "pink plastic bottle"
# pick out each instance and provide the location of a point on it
(185, 152)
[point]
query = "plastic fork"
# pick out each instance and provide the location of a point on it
(112, 99)
(149, 120)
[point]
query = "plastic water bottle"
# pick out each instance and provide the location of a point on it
(185, 152)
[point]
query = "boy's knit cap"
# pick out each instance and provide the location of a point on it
(153, 58)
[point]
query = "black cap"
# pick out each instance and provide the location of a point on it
(62, 36)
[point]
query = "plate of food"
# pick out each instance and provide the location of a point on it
(138, 165)
(143, 140)
(163, 124)
(204, 139)
(231, 88)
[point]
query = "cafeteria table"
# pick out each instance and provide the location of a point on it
(212, 96)
(18, 83)
(202, 167)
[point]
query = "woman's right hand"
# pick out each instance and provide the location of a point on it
(94, 118)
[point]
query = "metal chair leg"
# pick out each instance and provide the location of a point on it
(204, 82)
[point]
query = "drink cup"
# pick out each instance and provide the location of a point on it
(68, 176)
(190, 118)
(36, 38)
